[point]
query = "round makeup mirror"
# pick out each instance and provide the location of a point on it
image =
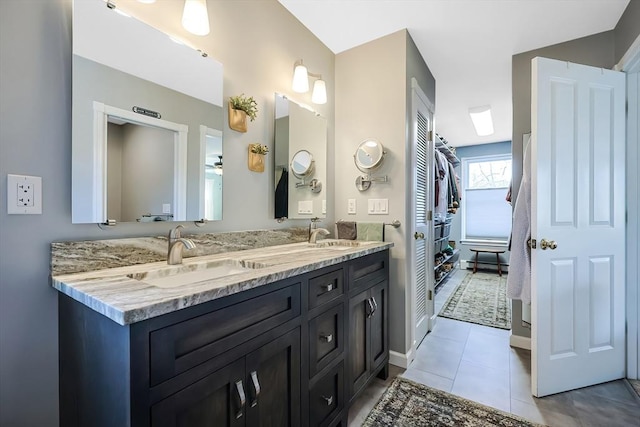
(302, 164)
(369, 155)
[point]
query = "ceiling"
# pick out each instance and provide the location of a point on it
(467, 44)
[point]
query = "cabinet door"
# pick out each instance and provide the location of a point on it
(379, 325)
(273, 383)
(219, 399)
(359, 344)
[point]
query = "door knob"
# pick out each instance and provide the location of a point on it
(548, 244)
(418, 235)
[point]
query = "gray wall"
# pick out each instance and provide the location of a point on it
(35, 139)
(495, 148)
(627, 29)
(374, 102)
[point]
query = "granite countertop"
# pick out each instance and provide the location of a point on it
(134, 293)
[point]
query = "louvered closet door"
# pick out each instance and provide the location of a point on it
(421, 272)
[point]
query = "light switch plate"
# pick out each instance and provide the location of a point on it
(24, 194)
(351, 206)
(305, 207)
(377, 206)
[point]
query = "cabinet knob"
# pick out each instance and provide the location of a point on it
(326, 338)
(242, 400)
(418, 236)
(329, 400)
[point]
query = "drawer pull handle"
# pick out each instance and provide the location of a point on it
(328, 287)
(242, 400)
(326, 338)
(329, 400)
(375, 305)
(371, 308)
(256, 388)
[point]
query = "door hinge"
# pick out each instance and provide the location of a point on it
(532, 243)
(430, 295)
(429, 215)
(430, 135)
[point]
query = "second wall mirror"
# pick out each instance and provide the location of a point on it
(300, 161)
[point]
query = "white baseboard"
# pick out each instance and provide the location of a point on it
(520, 342)
(401, 360)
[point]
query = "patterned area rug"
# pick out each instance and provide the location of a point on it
(481, 298)
(406, 403)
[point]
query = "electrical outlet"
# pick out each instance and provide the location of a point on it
(351, 206)
(24, 194)
(166, 208)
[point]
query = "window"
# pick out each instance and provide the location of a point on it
(486, 215)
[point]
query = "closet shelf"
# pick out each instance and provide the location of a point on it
(443, 147)
(447, 258)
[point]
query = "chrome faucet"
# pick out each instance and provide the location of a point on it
(314, 234)
(176, 244)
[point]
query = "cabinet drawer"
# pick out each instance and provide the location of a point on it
(326, 340)
(179, 347)
(326, 397)
(325, 288)
(367, 271)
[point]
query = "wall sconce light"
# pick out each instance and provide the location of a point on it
(482, 121)
(301, 83)
(195, 17)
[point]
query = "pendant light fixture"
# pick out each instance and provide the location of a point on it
(300, 83)
(195, 17)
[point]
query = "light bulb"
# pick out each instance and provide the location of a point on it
(195, 17)
(300, 79)
(319, 95)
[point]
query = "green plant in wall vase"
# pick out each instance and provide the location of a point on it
(241, 107)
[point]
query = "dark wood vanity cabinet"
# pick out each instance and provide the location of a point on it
(260, 389)
(291, 353)
(368, 352)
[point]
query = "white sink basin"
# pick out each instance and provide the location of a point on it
(178, 275)
(339, 245)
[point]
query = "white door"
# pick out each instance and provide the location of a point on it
(577, 203)
(421, 265)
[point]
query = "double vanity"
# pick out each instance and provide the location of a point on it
(284, 335)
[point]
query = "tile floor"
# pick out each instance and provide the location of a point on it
(476, 362)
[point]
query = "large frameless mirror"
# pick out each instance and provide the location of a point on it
(300, 161)
(146, 123)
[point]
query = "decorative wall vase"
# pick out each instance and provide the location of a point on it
(237, 119)
(256, 160)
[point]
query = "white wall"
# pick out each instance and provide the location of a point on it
(257, 42)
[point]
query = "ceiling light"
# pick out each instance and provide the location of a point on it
(300, 78)
(195, 17)
(482, 121)
(319, 94)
